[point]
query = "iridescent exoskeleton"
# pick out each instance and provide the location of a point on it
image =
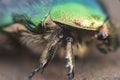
(70, 24)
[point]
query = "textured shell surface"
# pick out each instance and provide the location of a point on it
(34, 10)
(85, 14)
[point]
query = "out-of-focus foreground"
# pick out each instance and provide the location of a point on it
(16, 63)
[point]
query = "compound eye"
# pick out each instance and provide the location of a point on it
(102, 35)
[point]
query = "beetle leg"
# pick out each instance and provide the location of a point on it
(69, 58)
(46, 56)
(48, 53)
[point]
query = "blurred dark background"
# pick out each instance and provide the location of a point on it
(16, 62)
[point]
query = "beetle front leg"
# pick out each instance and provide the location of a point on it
(69, 58)
(46, 56)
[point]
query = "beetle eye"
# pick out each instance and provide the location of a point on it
(101, 35)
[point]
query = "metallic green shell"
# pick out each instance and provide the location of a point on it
(85, 14)
(31, 10)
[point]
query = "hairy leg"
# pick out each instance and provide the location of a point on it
(69, 58)
(47, 54)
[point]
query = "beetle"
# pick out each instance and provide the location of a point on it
(71, 24)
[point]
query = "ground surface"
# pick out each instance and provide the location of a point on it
(16, 65)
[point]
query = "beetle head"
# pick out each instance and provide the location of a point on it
(108, 36)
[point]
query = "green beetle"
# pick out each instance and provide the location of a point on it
(70, 24)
